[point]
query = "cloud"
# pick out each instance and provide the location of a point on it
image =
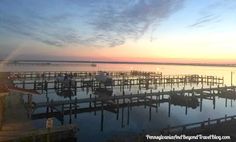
(204, 20)
(94, 23)
(133, 19)
(214, 12)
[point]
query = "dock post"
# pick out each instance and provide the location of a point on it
(147, 83)
(62, 114)
(130, 85)
(131, 100)
(114, 98)
(193, 91)
(145, 99)
(164, 82)
(42, 84)
(95, 104)
(128, 113)
(34, 84)
(75, 88)
(51, 105)
(155, 81)
(93, 83)
(75, 107)
(30, 105)
(185, 81)
(90, 98)
(222, 81)
(123, 97)
(218, 89)
(70, 121)
(209, 122)
(46, 86)
(201, 104)
(226, 102)
(139, 82)
(169, 108)
(157, 101)
(117, 105)
(159, 98)
(186, 110)
(102, 117)
(23, 84)
(122, 117)
(231, 78)
(162, 94)
(214, 102)
(150, 113)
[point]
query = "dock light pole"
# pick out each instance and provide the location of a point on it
(232, 78)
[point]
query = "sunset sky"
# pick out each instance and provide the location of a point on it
(119, 30)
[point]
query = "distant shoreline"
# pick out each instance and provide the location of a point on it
(117, 62)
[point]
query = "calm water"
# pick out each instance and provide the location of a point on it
(140, 119)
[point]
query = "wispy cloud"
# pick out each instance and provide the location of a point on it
(204, 20)
(214, 12)
(133, 19)
(94, 23)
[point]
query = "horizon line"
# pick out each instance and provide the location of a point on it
(125, 62)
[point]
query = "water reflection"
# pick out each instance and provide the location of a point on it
(136, 116)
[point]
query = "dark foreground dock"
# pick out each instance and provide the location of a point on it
(15, 126)
(62, 133)
(219, 129)
(224, 127)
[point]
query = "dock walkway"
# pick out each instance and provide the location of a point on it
(15, 124)
(131, 96)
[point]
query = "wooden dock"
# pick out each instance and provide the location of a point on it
(45, 81)
(224, 126)
(79, 74)
(14, 122)
(146, 80)
(114, 103)
(216, 91)
(61, 133)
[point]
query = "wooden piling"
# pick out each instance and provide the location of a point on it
(102, 117)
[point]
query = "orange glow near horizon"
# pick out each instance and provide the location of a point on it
(174, 49)
(179, 50)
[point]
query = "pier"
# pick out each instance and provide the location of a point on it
(15, 125)
(189, 98)
(224, 126)
(62, 133)
(67, 83)
(45, 81)
(150, 92)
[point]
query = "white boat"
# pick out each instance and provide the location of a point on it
(93, 65)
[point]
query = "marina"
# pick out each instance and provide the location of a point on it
(117, 71)
(134, 89)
